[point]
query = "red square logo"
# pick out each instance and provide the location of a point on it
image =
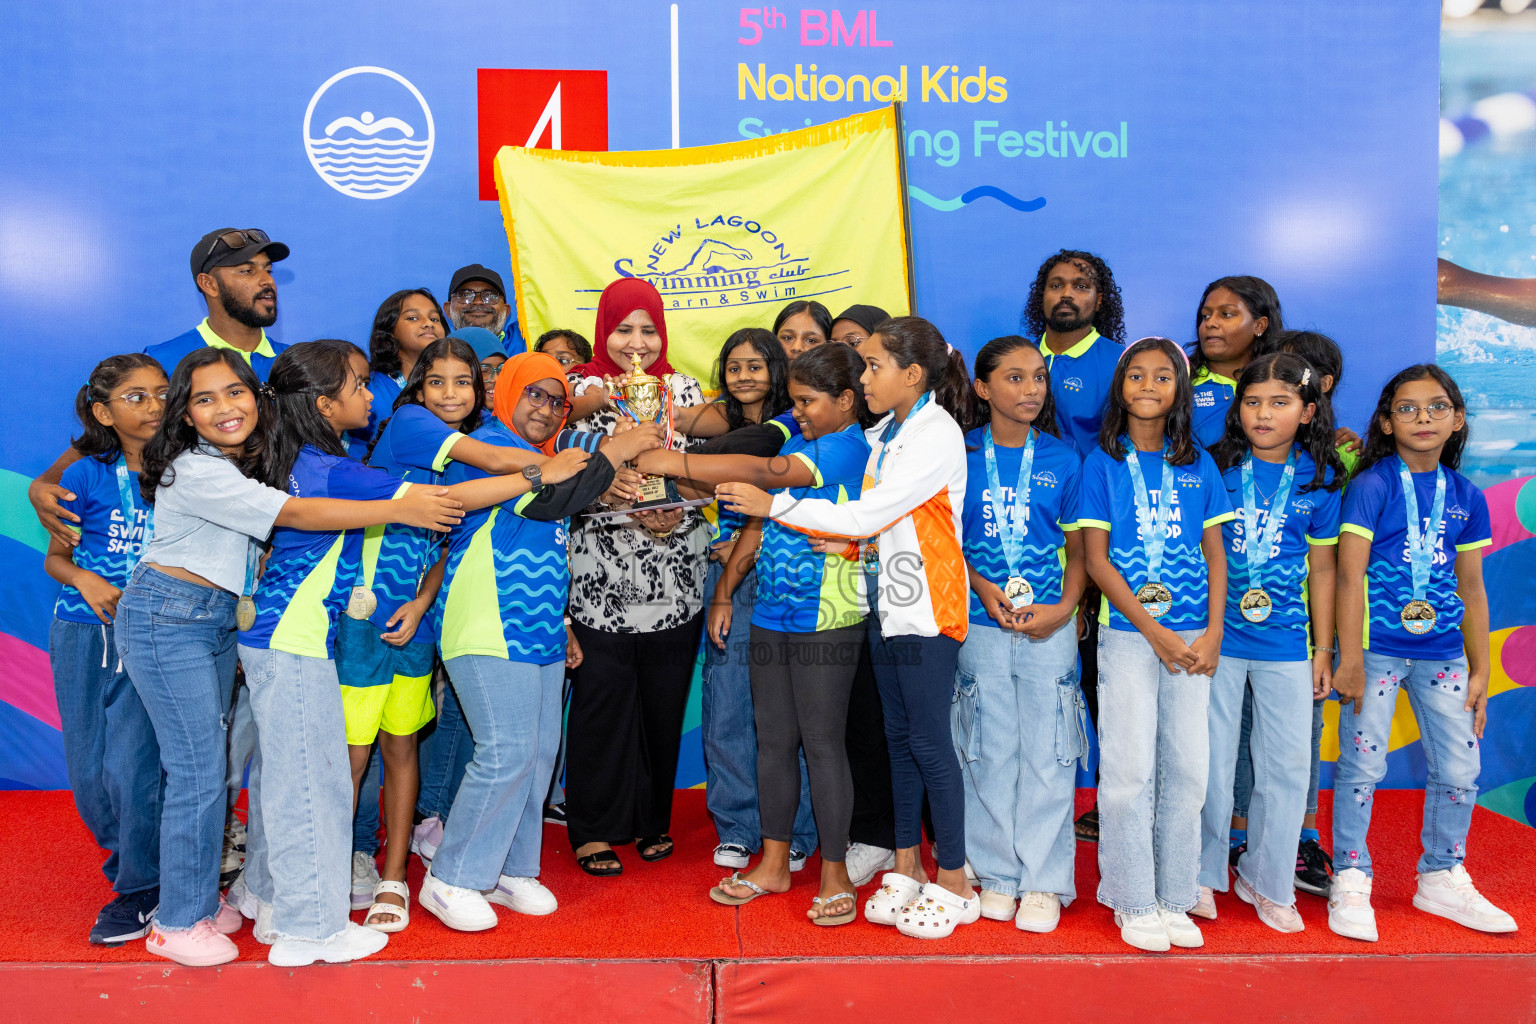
(539, 108)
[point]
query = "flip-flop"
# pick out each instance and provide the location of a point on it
(828, 920)
(603, 864)
(719, 895)
(654, 848)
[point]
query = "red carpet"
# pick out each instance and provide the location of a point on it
(660, 911)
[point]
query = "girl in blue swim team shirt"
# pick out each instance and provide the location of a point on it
(1151, 505)
(1283, 477)
(1019, 720)
(1235, 318)
(1413, 616)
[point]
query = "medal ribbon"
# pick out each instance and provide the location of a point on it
(1259, 543)
(130, 517)
(1422, 543)
(893, 429)
(1152, 522)
(1010, 527)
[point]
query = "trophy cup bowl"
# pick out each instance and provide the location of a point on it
(645, 398)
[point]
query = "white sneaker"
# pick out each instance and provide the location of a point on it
(863, 860)
(895, 892)
(261, 929)
(1280, 918)
(1144, 931)
(1182, 932)
(1206, 906)
(1451, 895)
(970, 872)
(365, 875)
(935, 912)
(426, 838)
(241, 898)
(1349, 906)
(797, 860)
(524, 895)
(731, 855)
(351, 943)
(463, 910)
(996, 906)
(1038, 912)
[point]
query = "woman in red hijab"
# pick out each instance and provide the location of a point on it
(637, 606)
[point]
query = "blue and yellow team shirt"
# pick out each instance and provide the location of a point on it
(1213, 397)
(800, 590)
(169, 353)
(1105, 500)
(414, 448)
(1051, 513)
(1310, 517)
(109, 544)
(309, 573)
(1374, 509)
(1080, 381)
(504, 592)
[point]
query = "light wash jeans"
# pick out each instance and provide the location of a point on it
(1019, 723)
(1437, 690)
(496, 826)
(299, 843)
(729, 732)
(242, 742)
(1242, 785)
(1153, 761)
(1282, 729)
(177, 641)
(109, 751)
(445, 751)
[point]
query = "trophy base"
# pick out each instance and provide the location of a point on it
(654, 490)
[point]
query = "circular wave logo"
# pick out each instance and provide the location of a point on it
(368, 133)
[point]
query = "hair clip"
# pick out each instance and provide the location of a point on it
(1306, 375)
(267, 392)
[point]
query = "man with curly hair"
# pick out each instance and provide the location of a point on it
(1074, 310)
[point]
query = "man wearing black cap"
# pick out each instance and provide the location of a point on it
(476, 298)
(233, 270)
(856, 323)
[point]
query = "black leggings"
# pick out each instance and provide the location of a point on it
(800, 687)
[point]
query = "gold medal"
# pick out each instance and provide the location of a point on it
(1256, 604)
(1418, 617)
(1019, 591)
(1155, 598)
(362, 603)
(245, 613)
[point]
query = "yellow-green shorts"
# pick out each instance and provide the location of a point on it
(382, 686)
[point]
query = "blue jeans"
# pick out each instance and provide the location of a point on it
(242, 742)
(299, 846)
(1019, 725)
(1153, 761)
(497, 824)
(1282, 727)
(109, 751)
(177, 641)
(445, 754)
(365, 821)
(729, 732)
(1242, 783)
(1437, 690)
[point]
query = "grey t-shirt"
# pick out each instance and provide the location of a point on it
(210, 518)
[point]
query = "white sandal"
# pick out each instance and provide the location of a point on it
(402, 914)
(935, 911)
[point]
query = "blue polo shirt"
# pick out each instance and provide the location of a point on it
(109, 544)
(1080, 381)
(1213, 397)
(169, 353)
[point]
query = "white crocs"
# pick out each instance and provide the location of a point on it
(896, 891)
(935, 913)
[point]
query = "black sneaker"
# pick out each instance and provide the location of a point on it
(1313, 866)
(1236, 852)
(554, 814)
(126, 917)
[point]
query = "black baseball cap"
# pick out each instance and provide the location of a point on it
(475, 272)
(867, 317)
(222, 248)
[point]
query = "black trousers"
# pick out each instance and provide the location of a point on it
(869, 759)
(626, 721)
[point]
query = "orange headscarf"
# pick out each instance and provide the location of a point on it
(521, 370)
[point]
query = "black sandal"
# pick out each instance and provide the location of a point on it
(1087, 827)
(653, 848)
(603, 864)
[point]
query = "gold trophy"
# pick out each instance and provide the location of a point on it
(645, 399)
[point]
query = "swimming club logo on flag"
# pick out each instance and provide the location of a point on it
(368, 133)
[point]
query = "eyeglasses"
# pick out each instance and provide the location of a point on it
(1406, 413)
(138, 398)
(469, 296)
(489, 371)
(538, 398)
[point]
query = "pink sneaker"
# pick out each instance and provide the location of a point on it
(201, 946)
(228, 920)
(426, 838)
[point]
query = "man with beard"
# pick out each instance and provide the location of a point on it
(1074, 309)
(476, 298)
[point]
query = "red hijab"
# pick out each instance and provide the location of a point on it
(618, 300)
(521, 370)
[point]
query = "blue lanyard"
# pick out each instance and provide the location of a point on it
(130, 516)
(1152, 523)
(894, 428)
(1011, 528)
(1422, 543)
(1260, 544)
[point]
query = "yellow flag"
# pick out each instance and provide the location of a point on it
(728, 234)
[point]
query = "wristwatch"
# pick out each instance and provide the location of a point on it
(534, 477)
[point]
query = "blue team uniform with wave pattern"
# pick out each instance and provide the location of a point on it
(109, 546)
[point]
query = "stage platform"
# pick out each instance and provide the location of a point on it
(650, 946)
